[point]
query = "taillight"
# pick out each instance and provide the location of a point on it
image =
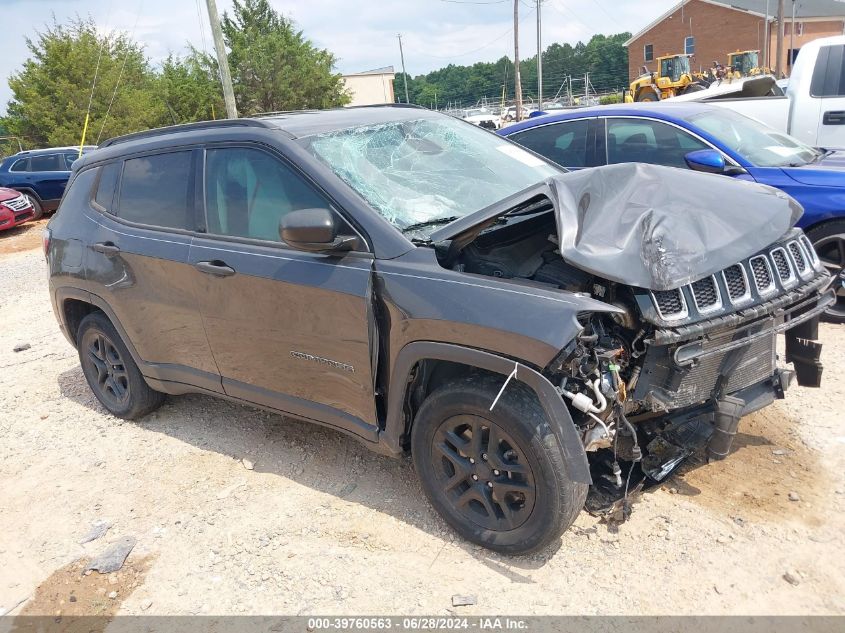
(46, 236)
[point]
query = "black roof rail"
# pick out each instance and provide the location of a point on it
(185, 127)
(312, 111)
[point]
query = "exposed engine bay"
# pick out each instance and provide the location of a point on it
(674, 370)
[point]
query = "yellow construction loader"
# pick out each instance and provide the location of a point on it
(672, 78)
(746, 64)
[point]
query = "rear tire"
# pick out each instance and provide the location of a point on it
(497, 477)
(111, 372)
(648, 95)
(829, 241)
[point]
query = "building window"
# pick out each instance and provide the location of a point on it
(648, 52)
(689, 45)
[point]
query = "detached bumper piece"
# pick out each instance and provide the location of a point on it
(803, 351)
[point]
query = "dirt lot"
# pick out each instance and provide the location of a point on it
(321, 525)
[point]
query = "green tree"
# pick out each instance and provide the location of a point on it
(273, 66)
(604, 57)
(190, 88)
(52, 90)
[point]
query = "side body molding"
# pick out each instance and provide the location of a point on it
(558, 415)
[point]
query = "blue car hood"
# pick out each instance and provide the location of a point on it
(828, 172)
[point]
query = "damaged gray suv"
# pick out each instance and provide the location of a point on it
(536, 340)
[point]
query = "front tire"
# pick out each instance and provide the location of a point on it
(829, 241)
(37, 209)
(648, 95)
(111, 372)
(497, 477)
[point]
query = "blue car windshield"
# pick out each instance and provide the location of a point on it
(428, 170)
(757, 143)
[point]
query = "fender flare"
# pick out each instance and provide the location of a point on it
(64, 293)
(560, 421)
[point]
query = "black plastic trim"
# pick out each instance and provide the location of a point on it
(560, 421)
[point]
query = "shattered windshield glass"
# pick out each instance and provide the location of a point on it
(428, 171)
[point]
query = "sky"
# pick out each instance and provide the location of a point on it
(361, 33)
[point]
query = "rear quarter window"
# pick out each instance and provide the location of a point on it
(107, 186)
(78, 192)
(156, 190)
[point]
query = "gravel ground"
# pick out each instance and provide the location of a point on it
(319, 525)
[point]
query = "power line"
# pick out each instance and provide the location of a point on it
(202, 27)
(475, 1)
(475, 50)
(120, 75)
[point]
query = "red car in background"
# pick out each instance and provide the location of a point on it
(15, 209)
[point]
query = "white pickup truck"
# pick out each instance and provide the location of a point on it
(813, 109)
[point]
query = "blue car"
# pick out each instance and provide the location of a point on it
(705, 138)
(40, 174)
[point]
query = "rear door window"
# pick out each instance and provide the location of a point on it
(47, 162)
(565, 143)
(157, 190)
(645, 141)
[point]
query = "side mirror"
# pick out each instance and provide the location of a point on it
(313, 230)
(707, 160)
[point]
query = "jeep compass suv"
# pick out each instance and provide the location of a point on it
(530, 336)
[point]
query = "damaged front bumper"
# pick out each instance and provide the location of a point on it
(696, 388)
(705, 361)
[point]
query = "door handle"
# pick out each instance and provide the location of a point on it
(216, 268)
(106, 248)
(834, 117)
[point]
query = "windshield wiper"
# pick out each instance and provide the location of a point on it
(433, 222)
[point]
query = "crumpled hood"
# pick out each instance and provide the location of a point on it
(659, 227)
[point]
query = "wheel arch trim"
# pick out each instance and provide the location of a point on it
(64, 293)
(560, 421)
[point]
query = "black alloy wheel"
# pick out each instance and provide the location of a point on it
(498, 477)
(111, 371)
(112, 379)
(482, 471)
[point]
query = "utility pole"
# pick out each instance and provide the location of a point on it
(517, 81)
(778, 61)
(222, 60)
(404, 74)
(539, 58)
(791, 39)
(766, 38)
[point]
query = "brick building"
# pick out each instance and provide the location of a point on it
(710, 29)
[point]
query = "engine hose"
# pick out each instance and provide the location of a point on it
(596, 385)
(638, 455)
(601, 423)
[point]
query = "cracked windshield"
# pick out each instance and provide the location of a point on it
(428, 171)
